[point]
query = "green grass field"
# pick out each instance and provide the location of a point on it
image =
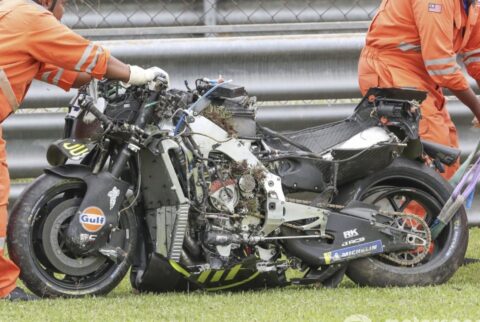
(458, 300)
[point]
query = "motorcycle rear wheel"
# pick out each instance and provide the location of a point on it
(402, 186)
(36, 244)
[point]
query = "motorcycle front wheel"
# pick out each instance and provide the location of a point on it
(408, 186)
(36, 242)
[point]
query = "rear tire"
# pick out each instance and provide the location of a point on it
(450, 246)
(52, 199)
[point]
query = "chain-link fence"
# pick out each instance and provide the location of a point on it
(87, 14)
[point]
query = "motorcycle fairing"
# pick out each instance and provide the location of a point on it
(100, 207)
(316, 175)
(74, 149)
(241, 276)
(338, 165)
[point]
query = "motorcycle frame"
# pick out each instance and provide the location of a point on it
(211, 138)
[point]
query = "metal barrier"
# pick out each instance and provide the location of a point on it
(271, 67)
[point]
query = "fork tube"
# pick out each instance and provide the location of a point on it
(121, 161)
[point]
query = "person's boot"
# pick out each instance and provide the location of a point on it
(19, 295)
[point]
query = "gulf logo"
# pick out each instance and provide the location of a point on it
(92, 219)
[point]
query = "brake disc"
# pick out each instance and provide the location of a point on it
(418, 234)
(54, 244)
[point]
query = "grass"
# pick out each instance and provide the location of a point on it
(456, 300)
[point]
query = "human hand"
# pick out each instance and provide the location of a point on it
(140, 76)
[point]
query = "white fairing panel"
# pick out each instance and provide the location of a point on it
(365, 139)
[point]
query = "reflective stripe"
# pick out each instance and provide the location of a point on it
(441, 72)
(45, 76)
(470, 53)
(57, 77)
(94, 61)
(406, 47)
(7, 90)
(472, 60)
(2, 243)
(440, 61)
(84, 58)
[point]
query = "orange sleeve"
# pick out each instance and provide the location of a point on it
(52, 43)
(471, 53)
(435, 20)
(57, 76)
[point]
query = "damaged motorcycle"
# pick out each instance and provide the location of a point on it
(184, 189)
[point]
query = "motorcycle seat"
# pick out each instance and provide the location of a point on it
(320, 138)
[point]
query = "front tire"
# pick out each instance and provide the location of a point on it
(35, 242)
(408, 181)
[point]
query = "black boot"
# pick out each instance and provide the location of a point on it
(19, 295)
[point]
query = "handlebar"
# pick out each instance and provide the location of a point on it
(86, 103)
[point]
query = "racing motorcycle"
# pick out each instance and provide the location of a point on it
(186, 190)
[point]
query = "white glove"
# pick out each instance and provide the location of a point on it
(140, 76)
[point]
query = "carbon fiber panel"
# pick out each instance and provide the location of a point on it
(321, 138)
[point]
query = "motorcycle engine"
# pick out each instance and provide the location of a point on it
(233, 211)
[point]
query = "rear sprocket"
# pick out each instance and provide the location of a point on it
(419, 235)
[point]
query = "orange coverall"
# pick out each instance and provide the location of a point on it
(414, 44)
(34, 44)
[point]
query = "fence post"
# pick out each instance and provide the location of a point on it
(210, 15)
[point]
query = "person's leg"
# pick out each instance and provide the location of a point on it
(372, 72)
(437, 126)
(8, 270)
(450, 171)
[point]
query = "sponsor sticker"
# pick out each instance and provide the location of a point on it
(353, 241)
(343, 254)
(75, 151)
(435, 7)
(350, 233)
(113, 195)
(92, 219)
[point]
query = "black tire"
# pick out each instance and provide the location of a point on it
(451, 244)
(29, 251)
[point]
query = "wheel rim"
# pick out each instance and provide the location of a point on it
(62, 201)
(54, 247)
(410, 200)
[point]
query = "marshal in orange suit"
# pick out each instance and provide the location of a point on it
(34, 44)
(418, 44)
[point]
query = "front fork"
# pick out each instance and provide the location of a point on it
(99, 212)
